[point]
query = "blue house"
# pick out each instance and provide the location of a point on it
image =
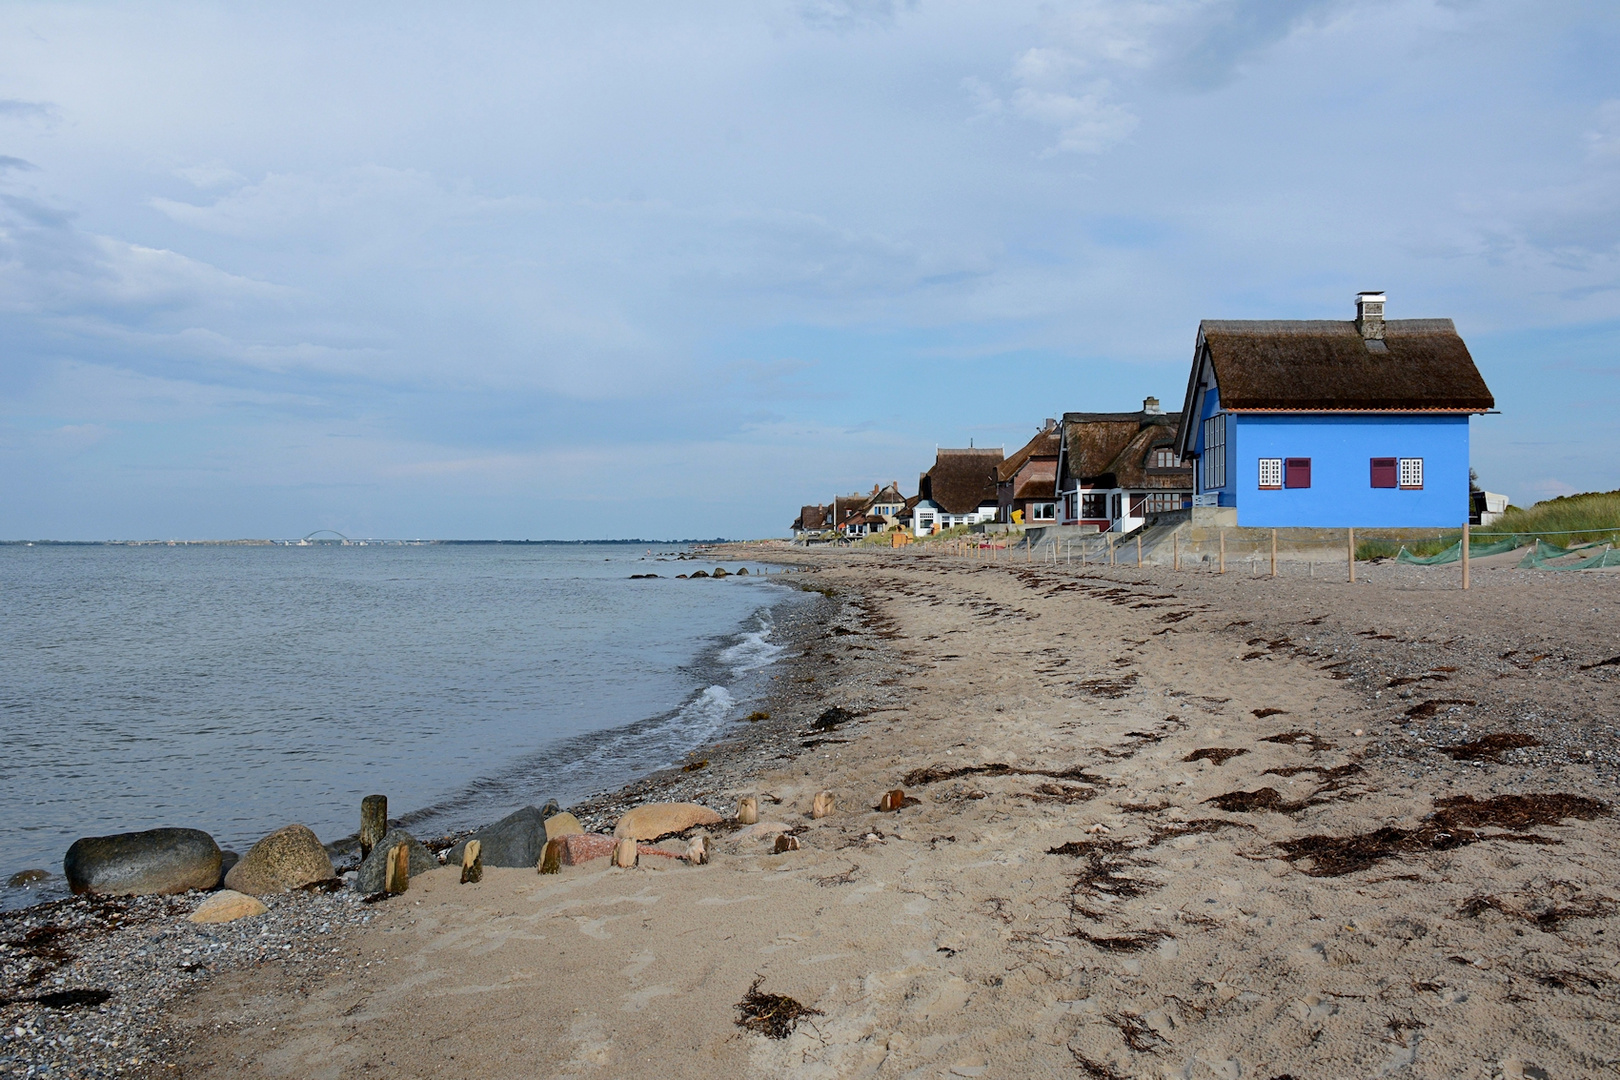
(1326, 424)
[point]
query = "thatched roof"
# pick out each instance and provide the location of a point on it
(1045, 444)
(961, 480)
(1323, 364)
(811, 518)
(1112, 449)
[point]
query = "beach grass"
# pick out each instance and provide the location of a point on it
(1566, 520)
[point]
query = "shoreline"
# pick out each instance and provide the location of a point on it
(307, 930)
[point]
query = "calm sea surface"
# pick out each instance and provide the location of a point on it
(236, 689)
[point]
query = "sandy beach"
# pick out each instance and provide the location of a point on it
(1157, 825)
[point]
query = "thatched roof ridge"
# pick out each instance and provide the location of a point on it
(1326, 365)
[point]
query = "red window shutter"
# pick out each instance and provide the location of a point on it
(1297, 472)
(1383, 472)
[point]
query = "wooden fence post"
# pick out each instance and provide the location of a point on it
(1139, 551)
(1273, 552)
(1465, 555)
(1352, 534)
(373, 822)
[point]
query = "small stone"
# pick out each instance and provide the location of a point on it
(228, 905)
(1098, 828)
(786, 842)
(158, 861)
(892, 800)
(563, 824)
(624, 852)
(743, 572)
(286, 859)
(720, 571)
(581, 849)
(747, 810)
(660, 819)
(1358, 732)
(24, 878)
(822, 805)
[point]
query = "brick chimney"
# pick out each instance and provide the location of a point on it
(1370, 315)
(1151, 406)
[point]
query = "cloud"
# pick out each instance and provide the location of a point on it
(26, 110)
(16, 164)
(844, 15)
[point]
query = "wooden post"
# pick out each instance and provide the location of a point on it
(1029, 549)
(472, 862)
(397, 870)
(1352, 556)
(748, 810)
(1273, 552)
(373, 822)
(1465, 555)
(822, 805)
(1223, 551)
(697, 852)
(1139, 550)
(551, 858)
(624, 852)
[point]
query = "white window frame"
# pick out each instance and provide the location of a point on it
(1043, 511)
(1214, 457)
(1271, 474)
(1409, 473)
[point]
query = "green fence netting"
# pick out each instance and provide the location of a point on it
(1454, 552)
(1542, 555)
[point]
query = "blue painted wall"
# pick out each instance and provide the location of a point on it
(1341, 492)
(1211, 406)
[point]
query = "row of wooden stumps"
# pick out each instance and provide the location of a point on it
(626, 854)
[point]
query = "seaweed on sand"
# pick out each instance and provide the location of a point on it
(771, 1015)
(1452, 824)
(935, 773)
(1220, 755)
(1490, 747)
(1300, 738)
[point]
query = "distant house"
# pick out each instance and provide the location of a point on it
(812, 520)
(960, 489)
(1321, 423)
(1116, 469)
(877, 511)
(1026, 482)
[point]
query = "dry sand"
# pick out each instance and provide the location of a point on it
(1086, 911)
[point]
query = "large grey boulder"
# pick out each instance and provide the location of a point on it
(139, 863)
(518, 839)
(284, 860)
(371, 876)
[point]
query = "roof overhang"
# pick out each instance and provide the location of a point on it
(1362, 412)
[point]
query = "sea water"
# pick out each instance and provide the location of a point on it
(236, 689)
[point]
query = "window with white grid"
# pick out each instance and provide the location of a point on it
(1271, 472)
(1214, 457)
(1411, 472)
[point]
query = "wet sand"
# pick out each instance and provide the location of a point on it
(1165, 825)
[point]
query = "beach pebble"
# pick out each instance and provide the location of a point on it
(518, 839)
(786, 842)
(24, 878)
(287, 858)
(660, 819)
(143, 863)
(228, 905)
(370, 878)
(563, 824)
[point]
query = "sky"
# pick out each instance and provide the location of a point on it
(576, 271)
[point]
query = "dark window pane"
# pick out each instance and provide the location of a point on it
(1383, 472)
(1297, 472)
